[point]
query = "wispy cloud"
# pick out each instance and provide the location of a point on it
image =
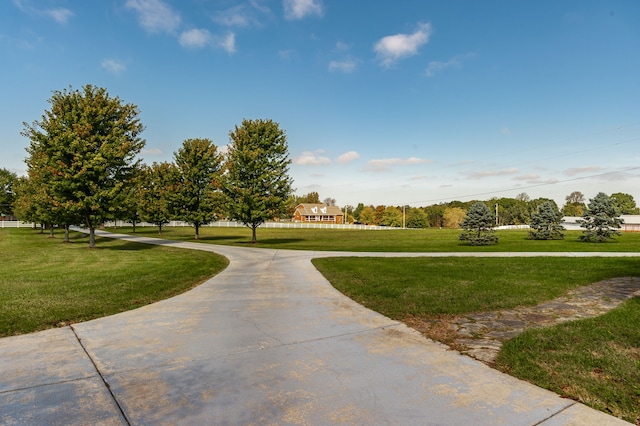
(392, 48)
(348, 157)
(155, 16)
(298, 9)
(228, 43)
(113, 66)
(434, 67)
(385, 164)
(493, 173)
(243, 15)
(152, 151)
(347, 65)
(505, 130)
(195, 38)
(582, 170)
(312, 158)
(58, 14)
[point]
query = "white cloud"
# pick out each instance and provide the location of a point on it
(113, 66)
(60, 15)
(395, 47)
(454, 62)
(312, 158)
(493, 173)
(381, 165)
(151, 151)
(195, 38)
(298, 9)
(155, 16)
(347, 157)
(582, 170)
(347, 65)
(241, 16)
(228, 43)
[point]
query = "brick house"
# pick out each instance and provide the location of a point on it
(318, 213)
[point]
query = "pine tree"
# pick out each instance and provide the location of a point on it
(478, 224)
(545, 223)
(601, 220)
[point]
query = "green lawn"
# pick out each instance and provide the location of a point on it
(46, 283)
(400, 240)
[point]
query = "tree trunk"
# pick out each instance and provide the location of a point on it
(134, 226)
(51, 231)
(160, 230)
(92, 237)
(66, 233)
(197, 226)
(253, 234)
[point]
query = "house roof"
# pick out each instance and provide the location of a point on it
(308, 209)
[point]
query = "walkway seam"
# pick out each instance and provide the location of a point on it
(555, 414)
(104, 381)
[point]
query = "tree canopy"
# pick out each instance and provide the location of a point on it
(7, 191)
(256, 181)
(84, 150)
(196, 199)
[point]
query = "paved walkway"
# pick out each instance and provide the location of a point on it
(266, 342)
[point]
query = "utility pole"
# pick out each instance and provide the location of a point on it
(496, 214)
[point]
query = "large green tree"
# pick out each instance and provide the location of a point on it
(601, 220)
(478, 225)
(625, 203)
(158, 183)
(256, 182)
(197, 199)
(546, 222)
(87, 143)
(574, 205)
(7, 192)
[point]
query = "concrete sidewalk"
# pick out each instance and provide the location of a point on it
(266, 342)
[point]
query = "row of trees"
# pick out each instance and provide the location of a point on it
(82, 170)
(600, 220)
(508, 211)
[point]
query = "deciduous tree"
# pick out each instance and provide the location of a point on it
(256, 182)
(158, 184)
(601, 220)
(87, 142)
(196, 198)
(453, 217)
(478, 225)
(7, 191)
(625, 203)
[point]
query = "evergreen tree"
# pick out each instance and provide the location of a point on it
(478, 224)
(256, 181)
(196, 199)
(601, 220)
(545, 223)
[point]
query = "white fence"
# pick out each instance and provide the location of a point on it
(231, 224)
(218, 224)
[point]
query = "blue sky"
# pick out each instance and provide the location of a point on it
(406, 102)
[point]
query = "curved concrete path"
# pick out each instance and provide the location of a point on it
(266, 342)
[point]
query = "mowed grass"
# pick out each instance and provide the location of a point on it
(393, 240)
(596, 362)
(46, 283)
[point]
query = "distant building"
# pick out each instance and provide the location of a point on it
(318, 213)
(631, 222)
